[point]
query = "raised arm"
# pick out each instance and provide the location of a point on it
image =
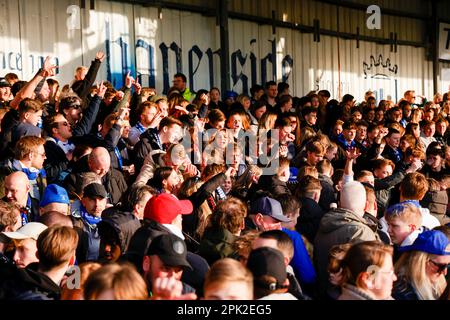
(47, 70)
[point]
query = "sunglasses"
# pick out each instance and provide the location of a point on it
(440, 267)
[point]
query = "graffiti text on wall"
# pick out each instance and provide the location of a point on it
(379, 68)
(13, 61)
(196, 56)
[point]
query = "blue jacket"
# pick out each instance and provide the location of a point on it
(301, 262)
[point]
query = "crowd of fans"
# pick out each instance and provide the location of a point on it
(128, 194)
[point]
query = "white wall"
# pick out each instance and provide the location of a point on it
(32, 29)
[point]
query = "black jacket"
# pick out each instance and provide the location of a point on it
(191, 221)
(124, 224)
(9, 121)
(327, 195)
(141, 240)
(109, 142)
(57, 161)
(310, 215)
(273, 185)
(148, 142)
(82, 88)
(403, 290)
(27, 284)
(113, 181)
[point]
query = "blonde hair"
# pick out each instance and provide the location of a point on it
(228, 270)
(407, 213)
(124, 280)
(412, 268)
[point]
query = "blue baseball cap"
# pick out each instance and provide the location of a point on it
(430, 241)
(231, 94)
(268, 207)
(54, 193)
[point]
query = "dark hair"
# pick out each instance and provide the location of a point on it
(282, 86)
(180, 75)
(347, 98)
(255, 88)
(307, 110)
(282, 122)
(349, 125)
(68, 102)
(270, 83)
(137, 193)
(324, 93)
(161, 174)
(288, 202)
(16, 87)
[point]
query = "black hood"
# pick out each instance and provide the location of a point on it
(32, 280)
(124, 223)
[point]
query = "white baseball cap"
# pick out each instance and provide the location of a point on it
(31, 230)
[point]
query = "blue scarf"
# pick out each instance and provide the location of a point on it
(119, 157)
(88, 218)
(25, 212)
(140, 127)
(33, 175)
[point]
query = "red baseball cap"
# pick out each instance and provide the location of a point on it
(165, 207)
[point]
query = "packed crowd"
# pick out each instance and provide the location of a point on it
(127, 194)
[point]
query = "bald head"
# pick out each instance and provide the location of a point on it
(99, 161)
(17, 187)
(353, 197)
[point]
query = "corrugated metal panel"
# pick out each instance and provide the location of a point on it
(136, 39)
(305, 11)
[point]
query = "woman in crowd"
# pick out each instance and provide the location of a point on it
(422, 268)
(367, 272)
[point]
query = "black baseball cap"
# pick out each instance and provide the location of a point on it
(269, 207)
(95, 190)
(171, 250)
(267, 261)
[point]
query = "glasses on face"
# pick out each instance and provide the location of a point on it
(76, 106)
(441, 267)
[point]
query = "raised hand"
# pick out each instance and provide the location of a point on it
(190, 170)
(119, 95)
(283, 150)
(205, 99)
(183, 110)
(230, 172)
(101, 90)
(352, 153)
(100, 56)
(48, 69)
(137, 87)
(129, 80)
(157, 119)
(170, 289)
(123, 113)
